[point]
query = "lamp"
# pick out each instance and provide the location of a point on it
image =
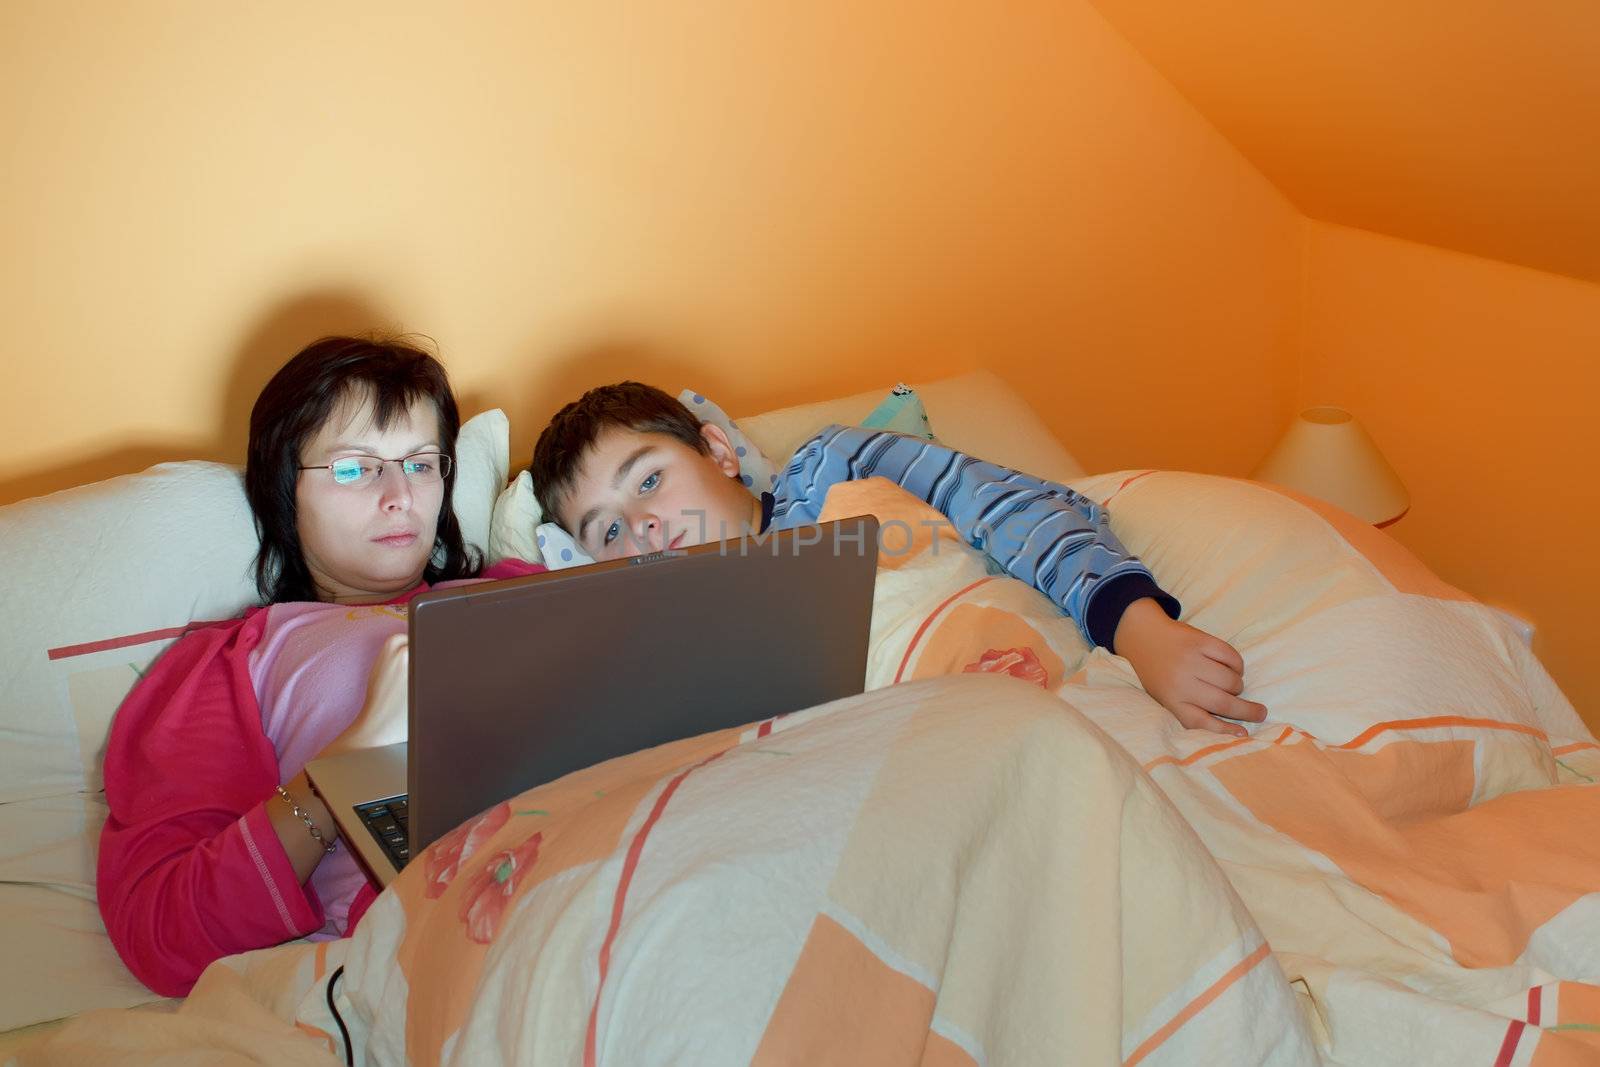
(1326, 453)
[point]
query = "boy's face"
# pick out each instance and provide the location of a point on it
(643, 492)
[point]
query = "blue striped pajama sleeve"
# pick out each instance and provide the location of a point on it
(1041, 532)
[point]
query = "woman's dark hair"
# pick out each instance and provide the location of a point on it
(392, 375)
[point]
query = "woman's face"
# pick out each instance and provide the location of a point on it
(368, 542)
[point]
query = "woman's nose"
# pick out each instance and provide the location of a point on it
(394, 488)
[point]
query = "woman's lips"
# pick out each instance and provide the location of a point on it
(399, 540)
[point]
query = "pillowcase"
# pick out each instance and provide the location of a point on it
(756, 471)
(901, 412)
(483, 460)
(517, 516)
(978, 413)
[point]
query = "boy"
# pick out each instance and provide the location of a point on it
(627, 469)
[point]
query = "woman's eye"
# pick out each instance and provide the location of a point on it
(611, 532)
(650, 482)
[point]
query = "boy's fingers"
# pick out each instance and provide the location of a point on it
(1197, 718)
(1229, 681)
(1220, 702)
(1224, 653)
(1208, 697)
(1248, 710)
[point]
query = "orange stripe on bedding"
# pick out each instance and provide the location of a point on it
(1368, 734)
(635, 850)
(1575, 747)
(319, 961)
(1195, 1006)
(916, 637)
(1124, 485)
(1198, 754)
(1440, 720)
(1201, 754)
(68, 651)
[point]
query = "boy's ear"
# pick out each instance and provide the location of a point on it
(722, 453)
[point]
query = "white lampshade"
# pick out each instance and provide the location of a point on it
(1326, 453)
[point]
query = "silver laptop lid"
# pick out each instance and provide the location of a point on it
(517, 683)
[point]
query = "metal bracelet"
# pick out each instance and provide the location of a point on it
(327, 846)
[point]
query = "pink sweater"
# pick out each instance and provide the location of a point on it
(190, 869)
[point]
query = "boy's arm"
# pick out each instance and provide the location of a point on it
(1056, 540)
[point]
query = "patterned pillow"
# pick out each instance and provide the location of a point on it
(756, 471)
(901, 411)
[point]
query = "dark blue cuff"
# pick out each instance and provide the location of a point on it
(1112, 599)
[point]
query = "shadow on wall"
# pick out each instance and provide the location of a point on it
(559, 381)
(279, 333)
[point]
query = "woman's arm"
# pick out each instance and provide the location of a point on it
(191, 866)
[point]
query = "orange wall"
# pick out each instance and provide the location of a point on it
(772, 202)
(1462, 125)
(1479, 381)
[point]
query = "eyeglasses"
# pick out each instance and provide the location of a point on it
(360, 472)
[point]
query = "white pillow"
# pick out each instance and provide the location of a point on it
(517, 516)
(483, 461)
(976, 413)
(520, 532)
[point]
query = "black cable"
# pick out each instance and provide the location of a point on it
(349, 1050)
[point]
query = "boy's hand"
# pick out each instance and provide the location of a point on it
(1195, 676)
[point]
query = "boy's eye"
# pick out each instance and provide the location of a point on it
(650, 482)
(611, 533)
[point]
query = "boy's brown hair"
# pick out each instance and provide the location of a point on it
(575, 428)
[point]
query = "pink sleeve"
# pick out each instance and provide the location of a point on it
(190, 869)
(512, 568)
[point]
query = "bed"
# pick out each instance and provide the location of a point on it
(1003, 852)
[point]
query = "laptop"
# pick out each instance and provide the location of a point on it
(519, 682)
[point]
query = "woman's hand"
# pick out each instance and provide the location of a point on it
(383, 718)
(1195, 676)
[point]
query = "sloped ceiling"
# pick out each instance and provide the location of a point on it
(1472, 125)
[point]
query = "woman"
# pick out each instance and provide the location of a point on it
(215, 842)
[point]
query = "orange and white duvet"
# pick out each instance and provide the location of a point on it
(1416, 828)
(1401, 866)
(956, 871)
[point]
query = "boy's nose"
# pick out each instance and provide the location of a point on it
(647, 530)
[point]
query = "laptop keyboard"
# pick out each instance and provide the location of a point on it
(388, 820)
